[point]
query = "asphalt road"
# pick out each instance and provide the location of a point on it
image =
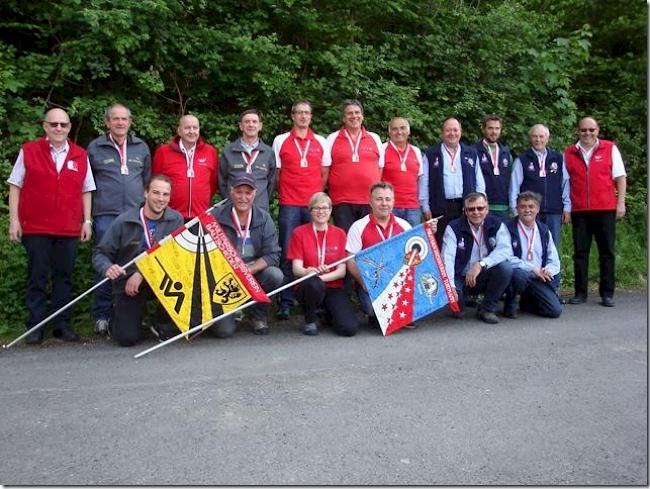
(527, 401)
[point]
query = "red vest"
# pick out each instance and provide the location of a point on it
(51, 203)
(190, 196)
(592, 186)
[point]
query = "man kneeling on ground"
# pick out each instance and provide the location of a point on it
(252, 232)
(536, 263)
(131, 233)
(476, 251)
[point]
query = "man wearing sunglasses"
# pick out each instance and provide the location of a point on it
(49, 211)
(598, 185)
(476, 251)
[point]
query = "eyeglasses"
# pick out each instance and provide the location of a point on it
(320, 209)
(479, 208)
(302, 112)
(587, 129)
(63, 125)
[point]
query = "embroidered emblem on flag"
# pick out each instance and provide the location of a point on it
(198, 277)
(405, 278)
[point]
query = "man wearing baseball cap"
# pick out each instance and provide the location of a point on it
(252, 232)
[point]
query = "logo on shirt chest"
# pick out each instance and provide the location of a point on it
(493, 242)
(461, 244)
(203, 161)
(505, 162)
(531, 166)
(470, 161)
(553, 167)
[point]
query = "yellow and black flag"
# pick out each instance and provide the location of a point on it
(198, 277)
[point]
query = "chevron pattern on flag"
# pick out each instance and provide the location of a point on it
(405, 278)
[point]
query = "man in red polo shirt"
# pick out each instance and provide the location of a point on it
(299, 162)
(49, 211)
(354, 160)
(191, 165)
(374, 228)
(403, 170)
(598, 185)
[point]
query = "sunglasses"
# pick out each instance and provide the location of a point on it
(479, 208)
(64, 125)
(588, 129)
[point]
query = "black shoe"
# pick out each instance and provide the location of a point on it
(488, 317)
(578, 299)
(511, 308)
(510, 312)
(563, 301)
(65, 334)
(607, 301)
(373, 323)
(35, 337)
(457, 315)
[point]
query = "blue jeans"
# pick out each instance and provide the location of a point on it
(412, 216)
(554, 223)
(492, 283)
(365, 303)
(49, 258)
(289, 218)
(537, 297)
(103, 295)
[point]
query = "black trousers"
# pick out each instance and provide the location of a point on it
(453, 210)
(600, 225)
(313, 293)
(345, 214)
(127, 315)
(49, 258)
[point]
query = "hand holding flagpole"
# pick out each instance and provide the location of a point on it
(98, 284)
(209, 323)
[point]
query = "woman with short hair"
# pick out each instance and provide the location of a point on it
(312, 248)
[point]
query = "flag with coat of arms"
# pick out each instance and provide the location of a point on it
(198, 276)
(405, 278)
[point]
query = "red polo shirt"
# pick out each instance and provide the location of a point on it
(303, 246)
(297, 183)
(404, 180)
(349, 182)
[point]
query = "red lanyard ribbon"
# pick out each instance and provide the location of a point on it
(530, 239)
(249, 160)
(402, 155)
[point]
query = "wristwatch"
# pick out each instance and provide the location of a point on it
(88, 221)
(483, 264)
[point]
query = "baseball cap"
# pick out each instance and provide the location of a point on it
(243, 179)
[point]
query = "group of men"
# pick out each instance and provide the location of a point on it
(472, 190)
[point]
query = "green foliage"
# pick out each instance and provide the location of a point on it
(529, 61)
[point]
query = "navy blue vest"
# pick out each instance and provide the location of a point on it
(468, 158)
(549, 187)
(465, 239)
(496, 186)
(516, 242)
